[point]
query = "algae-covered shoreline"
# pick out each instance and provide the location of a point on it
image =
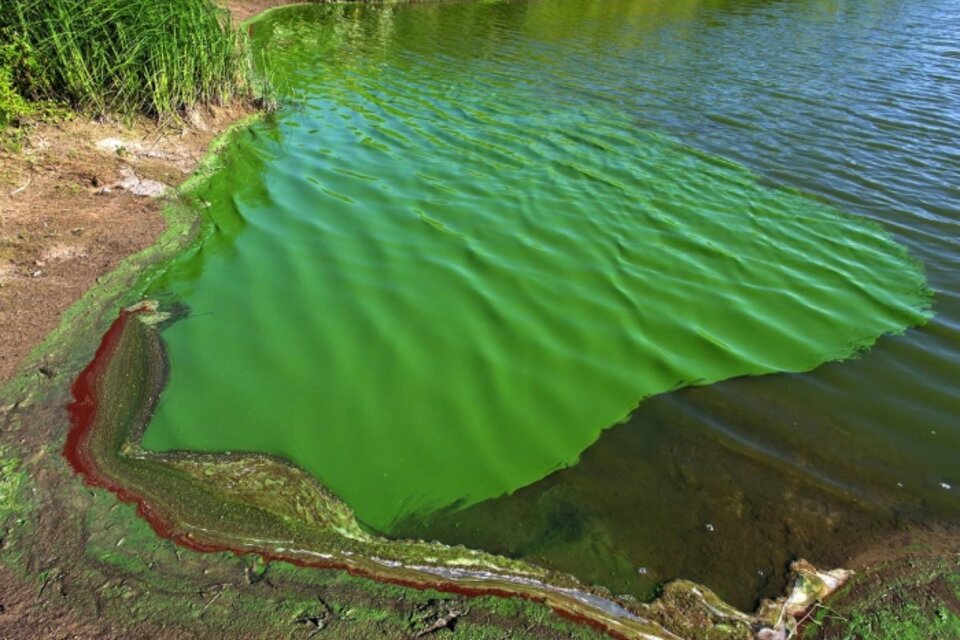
(29, 402)
(142, 362)
(222, 488)
(231, 503)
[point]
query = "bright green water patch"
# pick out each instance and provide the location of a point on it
(455, 257)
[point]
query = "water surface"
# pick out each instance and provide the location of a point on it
(477, 235)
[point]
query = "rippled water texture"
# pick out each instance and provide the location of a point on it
(477, 235)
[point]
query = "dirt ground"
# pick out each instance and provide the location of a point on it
(905, 588)
(64, 221)
(246, 9)
(70, 212)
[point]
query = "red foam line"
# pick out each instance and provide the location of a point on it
(83, 414)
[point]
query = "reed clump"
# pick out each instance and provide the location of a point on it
(12, 104)
(156, 57)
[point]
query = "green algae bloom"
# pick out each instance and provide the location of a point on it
(455, 257)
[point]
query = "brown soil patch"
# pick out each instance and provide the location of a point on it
(67, 215)
(934, 540)
(906, 587)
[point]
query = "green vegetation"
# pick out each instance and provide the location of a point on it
(12, 105)
(11, 481)
(909, 622)
(127, 56)
(913, 598)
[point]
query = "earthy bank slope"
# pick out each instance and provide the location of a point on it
(70, 212)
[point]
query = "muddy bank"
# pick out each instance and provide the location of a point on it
(76, 201)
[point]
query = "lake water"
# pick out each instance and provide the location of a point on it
(508, 274)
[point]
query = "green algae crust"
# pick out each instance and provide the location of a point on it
(12, 481)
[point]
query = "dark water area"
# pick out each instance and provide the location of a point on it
(477, 235)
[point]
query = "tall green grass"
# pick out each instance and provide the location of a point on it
(156, 57)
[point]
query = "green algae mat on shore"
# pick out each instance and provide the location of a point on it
(456, 256)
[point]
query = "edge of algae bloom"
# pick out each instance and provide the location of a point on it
(257, 504)
(251, 503)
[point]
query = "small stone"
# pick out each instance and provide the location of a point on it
(111, 145)
(709, 527)
(140, 186)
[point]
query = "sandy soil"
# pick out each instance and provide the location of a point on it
(70, 212)
(64, 221)
(245, 9)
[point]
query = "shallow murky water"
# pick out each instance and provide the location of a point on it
(477, 235)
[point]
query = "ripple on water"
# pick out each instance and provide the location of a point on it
(443, 269)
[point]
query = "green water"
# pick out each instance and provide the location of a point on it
(477, 235)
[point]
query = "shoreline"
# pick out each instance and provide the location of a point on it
(89, 317)
(119, 287)
(103, 446)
